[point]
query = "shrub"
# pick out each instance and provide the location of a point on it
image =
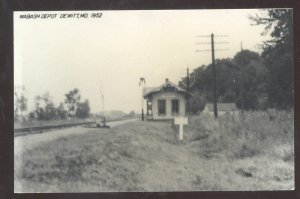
(197, 103)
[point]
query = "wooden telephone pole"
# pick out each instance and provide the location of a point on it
(242, 82)
(187, 85)
(214, 75)
(188, 90)
(212, 36)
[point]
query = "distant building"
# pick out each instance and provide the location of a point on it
(222, 108)
(166, 101)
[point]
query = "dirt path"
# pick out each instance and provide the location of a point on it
(177, 169)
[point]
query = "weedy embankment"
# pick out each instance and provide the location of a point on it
(249, 151)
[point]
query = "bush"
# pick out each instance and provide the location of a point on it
(197, 103)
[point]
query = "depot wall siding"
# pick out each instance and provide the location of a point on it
(168, 96)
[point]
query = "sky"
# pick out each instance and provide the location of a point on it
(111, 53)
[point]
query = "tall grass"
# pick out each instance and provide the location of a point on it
(243, 135)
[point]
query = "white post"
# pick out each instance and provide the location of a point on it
(181, 121)
(180, 132)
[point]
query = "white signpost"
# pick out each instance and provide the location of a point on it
(180, 121)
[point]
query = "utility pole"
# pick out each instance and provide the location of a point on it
(242, 81)
(214, 75)
(212, 36)
(187, 83)
(188, 90)
(102, 97)
(142, 82)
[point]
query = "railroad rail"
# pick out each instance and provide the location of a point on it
(40, 129)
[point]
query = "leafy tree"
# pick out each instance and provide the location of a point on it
(245, 57)
(72, 100)
(240, 80)
(277, 22)
(278, 55)
(44, 107)
(226, 77)
(20, 102)
(197, 103)
(61, 111)
(39, 110)
(250, 78)
(32, 115)
(83, 109)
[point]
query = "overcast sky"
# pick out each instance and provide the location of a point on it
(113, 52)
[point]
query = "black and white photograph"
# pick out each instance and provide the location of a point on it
(153, 100)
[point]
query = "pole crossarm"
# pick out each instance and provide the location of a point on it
(206, 50)
(197, 36)
(221, 42)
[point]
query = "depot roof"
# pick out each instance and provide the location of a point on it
(165, 87)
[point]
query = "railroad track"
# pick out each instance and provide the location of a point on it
(41, 129)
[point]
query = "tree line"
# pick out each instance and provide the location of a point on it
(250, 80)
(72, 107)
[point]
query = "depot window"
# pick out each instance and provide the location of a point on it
(161, 107)
(175, 106)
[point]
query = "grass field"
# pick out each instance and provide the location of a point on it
(252, 151)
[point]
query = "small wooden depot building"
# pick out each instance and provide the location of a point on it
(166, 101)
